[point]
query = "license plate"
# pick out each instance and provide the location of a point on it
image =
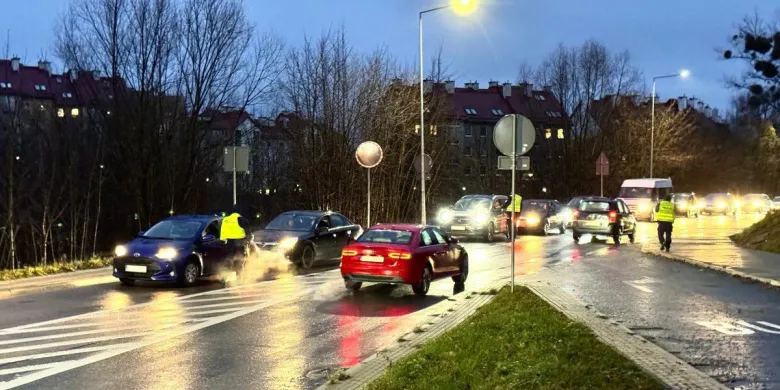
(593, 224)
(372, 259)
(141, 269)
(458, 228)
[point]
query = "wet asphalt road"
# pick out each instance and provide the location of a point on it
(290, 331)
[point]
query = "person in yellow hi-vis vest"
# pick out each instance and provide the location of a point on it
(515, 204)
(233, 231)
(664, 214)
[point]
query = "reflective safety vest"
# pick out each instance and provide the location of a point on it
(665, 211)
(230, 229)
(516, 204)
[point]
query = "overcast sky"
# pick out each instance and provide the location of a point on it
(663, 36)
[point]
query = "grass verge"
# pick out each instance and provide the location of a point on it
(517, 341)
(55, 268)
(763, 235)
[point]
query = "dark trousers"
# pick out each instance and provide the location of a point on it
(235, 252)
(665, 234)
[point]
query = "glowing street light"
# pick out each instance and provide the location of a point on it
(683, 74)
(460, 7)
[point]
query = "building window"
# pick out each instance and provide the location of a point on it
(467, 151)
(3, 85)
(498, 112)
(434, 130)
(483, 131)
(547, 133)
(483, 170)
(67, 95)
(560, 133)
(470, 111)
(61, 112)
(39, 87)
(74, 112)
(540, 97)
(417, 129)
(467, 171)
(467, 131)
(6, 85)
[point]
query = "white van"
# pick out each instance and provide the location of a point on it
(641, 195)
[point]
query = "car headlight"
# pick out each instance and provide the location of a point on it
(481, 219)
(643, 207)
(721, 205)
(683, 205)
(445, 216)
(167, 253)
(288, 243)
(756, 204)
(738, 203)
(120, 250)
(532, 220)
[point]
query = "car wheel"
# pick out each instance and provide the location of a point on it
(127, 282)
(421, 288)
(546, 227)
(308, 254)
(190, 274)
(489, 232)
(354, 286)
(464, 271)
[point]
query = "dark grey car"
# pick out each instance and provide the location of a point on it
(480, 216)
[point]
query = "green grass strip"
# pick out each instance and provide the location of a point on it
(55, 268)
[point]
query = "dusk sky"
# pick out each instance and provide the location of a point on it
(663, 36)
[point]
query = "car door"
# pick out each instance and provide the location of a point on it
(325, 240)
(213, 251)
(434, 251)
(499, 215)
(342, 229)
(628, 220)
(450, 253)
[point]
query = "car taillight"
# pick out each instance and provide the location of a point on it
(400, 255)
(612, 216)
(348, 252)
(575, 214)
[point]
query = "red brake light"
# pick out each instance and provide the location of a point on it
(400, 255)
(348, 252)
(612, 216)
(575, 214)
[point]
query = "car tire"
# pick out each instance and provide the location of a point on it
(354, 286)
(190, 274)
(489, 232)
(546, 227)
(461, 277)
(127, 282)
(307, 256)
(424, 284)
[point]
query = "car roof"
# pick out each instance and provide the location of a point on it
(482, 196)
(399, 226)
(761, 195)
(309, 212)
(647, 183)
(539, 200)
(192, 217)
(599, 199)
(719, 194)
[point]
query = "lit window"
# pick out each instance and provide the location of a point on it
(42, 107)
(2, 85)
(547, 133)
(108, 112)
(40, 87)
(61, 112)
(417, 129)
(9, 85)
(74, 112)
(434, 130)
(470, 111)
(498, 112)
(67, 95)
(560, 133)
(540, 97)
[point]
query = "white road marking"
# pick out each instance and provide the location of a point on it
(640, 284)
(75, 342)
(36, 367)
(246, 303)
(83, 333)
(760, 329)
(726, 328)
(61, 353)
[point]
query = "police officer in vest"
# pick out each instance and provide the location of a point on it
(664, 214)
(233, 230)
(516, 204)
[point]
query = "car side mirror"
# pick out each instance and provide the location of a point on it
(141, 233)
(209, 237)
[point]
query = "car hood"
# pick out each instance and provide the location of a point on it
(147, 247)
(272, 236)
(467, 213)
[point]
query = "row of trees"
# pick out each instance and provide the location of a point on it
(73, 187)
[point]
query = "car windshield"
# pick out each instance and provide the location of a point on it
(594, 206)
(680, 197)
(386, 236)
(777, 199)
(532, 206)
(574, 203)
(293, 221)
(174, 230)
(636, 192)
(715, 196)
(472, 204)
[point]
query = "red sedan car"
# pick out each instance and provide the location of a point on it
(403, 254)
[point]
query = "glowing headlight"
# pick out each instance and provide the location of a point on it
(683, 205)
(701, 204)
(721, 205)
(288, 243)
(481, 219)
(120, 250)
(738, 203)
(756, 204)
(445, 216)
(167, 253)
(643, 207)
(532, 220)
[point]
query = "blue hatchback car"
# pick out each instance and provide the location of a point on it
(177, 249)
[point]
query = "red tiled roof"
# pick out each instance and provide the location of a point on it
(85, 90)
(225, 121)
(484, 101)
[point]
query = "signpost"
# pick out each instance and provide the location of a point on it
(368, 155)
(602, 169)
(425, 169)
(236, 160)
(505, 163)
(514, 135)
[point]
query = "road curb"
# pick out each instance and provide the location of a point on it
(654, 360)
(459, 308)
(11, 288)
(715, 267)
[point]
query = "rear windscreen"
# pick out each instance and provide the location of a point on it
(386, 236)
(637, 192)
(593, 206)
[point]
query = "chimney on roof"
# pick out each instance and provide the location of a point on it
(700, 106)
(507, 90)
(45, 65)
(428, 86)
(73, 74)
(449, 85)
(492, 84)
(715, 116)
(15, 64)
(473, 85)
(682, 103)
(529, 88)
(548, 88)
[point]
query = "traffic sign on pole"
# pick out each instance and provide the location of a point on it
(514, 135)
(368, 154)
(426, 166)
(505, 163)
(602, 169)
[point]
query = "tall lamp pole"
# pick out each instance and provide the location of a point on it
(682, 74)
(461, 6)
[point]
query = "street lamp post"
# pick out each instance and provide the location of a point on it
(682, 74)
(461, 6)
